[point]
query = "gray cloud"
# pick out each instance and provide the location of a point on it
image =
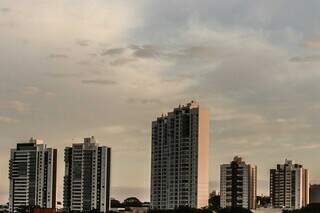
(99, 82)
(83, 43)
(310, 58)
(122, 61)
(93, 54)
(64, 74)
(144, 101)
(5, 10)
(113, 51)
(200, 52)
(84, 62)
(147, 51)
(58, 56)
(134, 47)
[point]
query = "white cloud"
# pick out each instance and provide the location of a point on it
(19, 106)
(63, 22)
(31, 90)
(8, 120)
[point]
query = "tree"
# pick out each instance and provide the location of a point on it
(214, 203)
(132, 202)
(116, 203)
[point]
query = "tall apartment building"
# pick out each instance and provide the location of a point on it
(238, 184)
(32, 175)
(289, 186)
(179, 162)
(87, 177)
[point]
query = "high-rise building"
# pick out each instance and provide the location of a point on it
(87, 177)
(289, 186)
(314, 194)
(32, 175)
(238, 184)
(179, 163)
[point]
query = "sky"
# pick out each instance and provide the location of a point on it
(75, 68)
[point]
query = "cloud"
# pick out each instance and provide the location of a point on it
(200, 52)
(5, 10)
(64, 74)
(313, 43)
(31, 90)
(58, 56)
(8, 120)
(19, 106)
(122, 61)
(16, 105)
(147, 51)
(99, 82)
(113, 51)
(84, 62)
(310, 58)
(83, 43)
(143, 101)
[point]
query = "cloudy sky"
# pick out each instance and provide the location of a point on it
(75, 68)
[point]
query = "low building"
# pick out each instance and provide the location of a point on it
(314, 193)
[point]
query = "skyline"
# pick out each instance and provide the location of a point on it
(71, 69)
(211, 188)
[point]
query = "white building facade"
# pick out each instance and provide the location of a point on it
(32, 175)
